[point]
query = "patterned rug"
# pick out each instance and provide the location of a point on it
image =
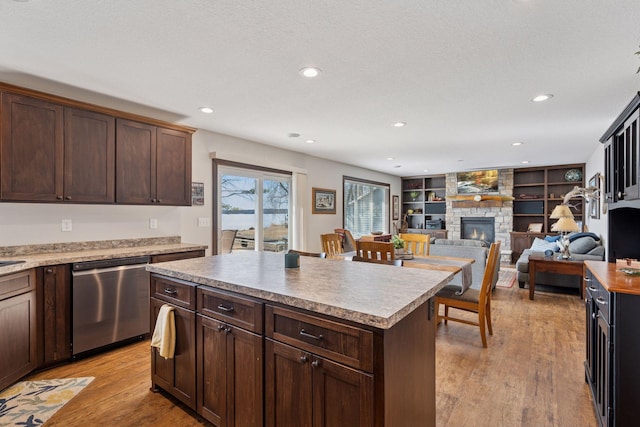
(32, 403)
(506, 277)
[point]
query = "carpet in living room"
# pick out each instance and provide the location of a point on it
(506, 277)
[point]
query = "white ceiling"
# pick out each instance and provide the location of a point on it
(461, 73)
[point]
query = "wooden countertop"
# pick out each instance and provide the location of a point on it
(366, 293)
(613, 280)
(84, 253)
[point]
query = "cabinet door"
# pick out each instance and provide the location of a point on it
(288, 400)
(31, 152)
(173, 167)
(342, 396)
(54, 290)
(178, 375)
(603, 371)
(630, 186)
(89, 156)
(229, 374)
(135, 162)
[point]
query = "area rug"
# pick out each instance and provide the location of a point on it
(506, 277)
(32, 403)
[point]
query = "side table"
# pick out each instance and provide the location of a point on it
(539, 263)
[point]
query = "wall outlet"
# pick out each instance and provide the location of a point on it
(204, 222)
(153, 223)
(67, 225)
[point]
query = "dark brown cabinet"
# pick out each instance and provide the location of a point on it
(32, 145)
(423, 203)
(153, 164)
(176, 376)
(521, 240)
(18, 331)
(230, 363)
(176, 256)
(54, 314)
(318, 372)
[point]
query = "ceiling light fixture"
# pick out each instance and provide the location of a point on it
(543, 97)
(206, 110)
(389, 158)
(516, 144)
(294, 135)
(399, 124)
(425, 170)
(525, 162)
(310, 72)
(310, 141)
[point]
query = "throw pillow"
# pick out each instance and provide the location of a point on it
(582, 245)
(552, 238)
(541, 245)
(574, 236)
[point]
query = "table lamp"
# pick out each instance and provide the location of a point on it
(564, 225)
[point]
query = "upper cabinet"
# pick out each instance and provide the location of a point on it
(622, 156)
(54, 149)
(153, 164)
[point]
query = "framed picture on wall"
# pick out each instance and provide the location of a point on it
(594, 203)
(395, 208)
(197, 193)
(323, 201)
(535, 227)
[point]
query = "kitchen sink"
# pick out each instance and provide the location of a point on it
(5, 263)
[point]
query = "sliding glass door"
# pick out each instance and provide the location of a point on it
(255, 204)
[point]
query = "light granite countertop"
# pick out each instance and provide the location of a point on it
(370, 294)
(68, 253)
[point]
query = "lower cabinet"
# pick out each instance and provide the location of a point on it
(176, 376)
(54, 314)
(612, 349)
(303, 389)
(18, 326)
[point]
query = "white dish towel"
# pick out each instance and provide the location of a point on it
(164, 334)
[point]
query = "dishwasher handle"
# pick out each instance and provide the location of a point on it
(106, 270)
(107, 263)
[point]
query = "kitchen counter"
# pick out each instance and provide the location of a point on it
(613, 280)
(66, 253)
(369, 294)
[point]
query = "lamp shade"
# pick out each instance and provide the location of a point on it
(565, 225)
(561, 211)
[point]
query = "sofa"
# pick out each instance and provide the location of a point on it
(583, 246)
(465, 248)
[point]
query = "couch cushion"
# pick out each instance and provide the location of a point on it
(582, 245)
(541, 245)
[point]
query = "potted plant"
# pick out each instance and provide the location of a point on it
(414, 195)
(398, 244)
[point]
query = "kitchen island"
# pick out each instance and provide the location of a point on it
(331, 343)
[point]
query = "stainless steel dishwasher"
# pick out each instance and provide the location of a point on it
(110, 302)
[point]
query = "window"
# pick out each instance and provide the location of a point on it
(366, 206)
(255, 202)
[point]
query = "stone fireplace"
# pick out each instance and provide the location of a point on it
(478, 228)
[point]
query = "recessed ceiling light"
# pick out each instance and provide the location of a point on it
(399, 124)
(515, 144)
(310, 72)
(397, 166)
(206, 110)
(542, 97)
(389, 158)
(294, 135)
(425, 170)
(310, 141)
(525, 162)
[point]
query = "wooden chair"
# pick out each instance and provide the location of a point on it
(303, 253)
(417, 244)
(226, 241)
(395, 262)
(376, 250)
(331, 244)
(348, 242)
(473, 300)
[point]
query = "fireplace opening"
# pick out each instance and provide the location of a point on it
(478, 228)
(624, 229)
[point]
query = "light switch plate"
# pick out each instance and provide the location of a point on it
(204, 222)
(66, 225)
(153, 223)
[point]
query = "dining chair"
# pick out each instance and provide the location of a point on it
(472, 300)
(227, 239)
(417, 244)
(312, 254)
(394, 262)
(331, 244)
(376, 250)
(348, 242)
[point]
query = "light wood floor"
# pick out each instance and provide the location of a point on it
(531, 375)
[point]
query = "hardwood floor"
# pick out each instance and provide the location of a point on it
(530, 375)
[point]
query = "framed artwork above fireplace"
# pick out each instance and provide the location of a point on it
(478, 182)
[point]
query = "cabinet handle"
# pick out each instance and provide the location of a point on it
(68, 197)
(308, 335)
(304, 359)
(158, 201)
(153, 200)
(225, 308)
(315, 363)
(49, 270)
(621, 194)
(224, 328)
(593, 315)
(59, 197)
(599, 300)
(592, 288)
(587, 279)
(170, 291)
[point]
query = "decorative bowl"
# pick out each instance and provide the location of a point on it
(631, 271)
(377, 233)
